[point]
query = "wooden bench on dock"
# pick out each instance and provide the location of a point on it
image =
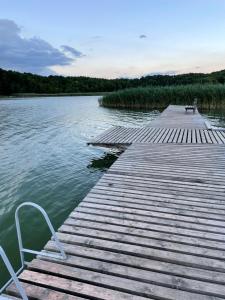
(192, 107)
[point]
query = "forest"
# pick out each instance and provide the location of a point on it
(12, 83)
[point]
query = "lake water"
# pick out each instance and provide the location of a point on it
(44, 158)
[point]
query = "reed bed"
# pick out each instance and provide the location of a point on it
(210, 96)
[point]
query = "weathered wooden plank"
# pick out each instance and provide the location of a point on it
(151, 136)
(128, 135)
(77, 288)
(107, 132)
(139, 263)
(180, 157)
(129, 202)
(156, 187)
(42, 293)
(155, 233)
(146, 252)
(198, 136)
(163, 212)
(176, 136)
(199, 186)
(213, 138)
(152, 226)
(136, 171)
(170, 140)
(120, 135)
(142, 275)
(179, 169)
(165, 140)
(194, 140)
(207, 193)
(162, 135)
(8, 297)
(142, 134)
(156, 218)
(144, 289)
(156, 133)
(198, 250)
(207, 137)
(164, 198)
(160, 197)
(213, 194)
(159, 135)
(146, 219)
(216, 136)
(185, 173)
(180, 138)
(219, 134)
(189, 136)
(222, 133)
(184, 140)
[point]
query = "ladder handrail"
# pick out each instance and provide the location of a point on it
(22, 250)
(13, 275)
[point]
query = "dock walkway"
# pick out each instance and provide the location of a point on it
(153, 227)
(172, 126)
(174, 116)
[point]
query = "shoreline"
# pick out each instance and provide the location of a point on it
(33, 95)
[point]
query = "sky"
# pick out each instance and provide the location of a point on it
(112, 38)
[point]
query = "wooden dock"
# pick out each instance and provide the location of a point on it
(172, 126)
(153, 227)
(174, 116)
(123, 137)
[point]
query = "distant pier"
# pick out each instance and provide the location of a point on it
(153, 227)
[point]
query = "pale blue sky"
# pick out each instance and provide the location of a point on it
(178, 36)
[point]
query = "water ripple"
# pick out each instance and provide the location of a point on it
(44, 158)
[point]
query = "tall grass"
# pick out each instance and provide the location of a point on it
(209, 96)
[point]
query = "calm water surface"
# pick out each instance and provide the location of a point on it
(44, 158)
(215, 117)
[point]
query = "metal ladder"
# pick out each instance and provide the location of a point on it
(22, 250)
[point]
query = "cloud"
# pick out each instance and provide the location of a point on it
(142, 36)
(28, 54)
(72, 51)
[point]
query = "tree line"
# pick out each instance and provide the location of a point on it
(12, 82)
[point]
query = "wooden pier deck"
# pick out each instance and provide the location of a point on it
(175, 116)
(123, 137)
(153, 227)
(172, 126)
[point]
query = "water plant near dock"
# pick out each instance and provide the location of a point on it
(158, 97)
